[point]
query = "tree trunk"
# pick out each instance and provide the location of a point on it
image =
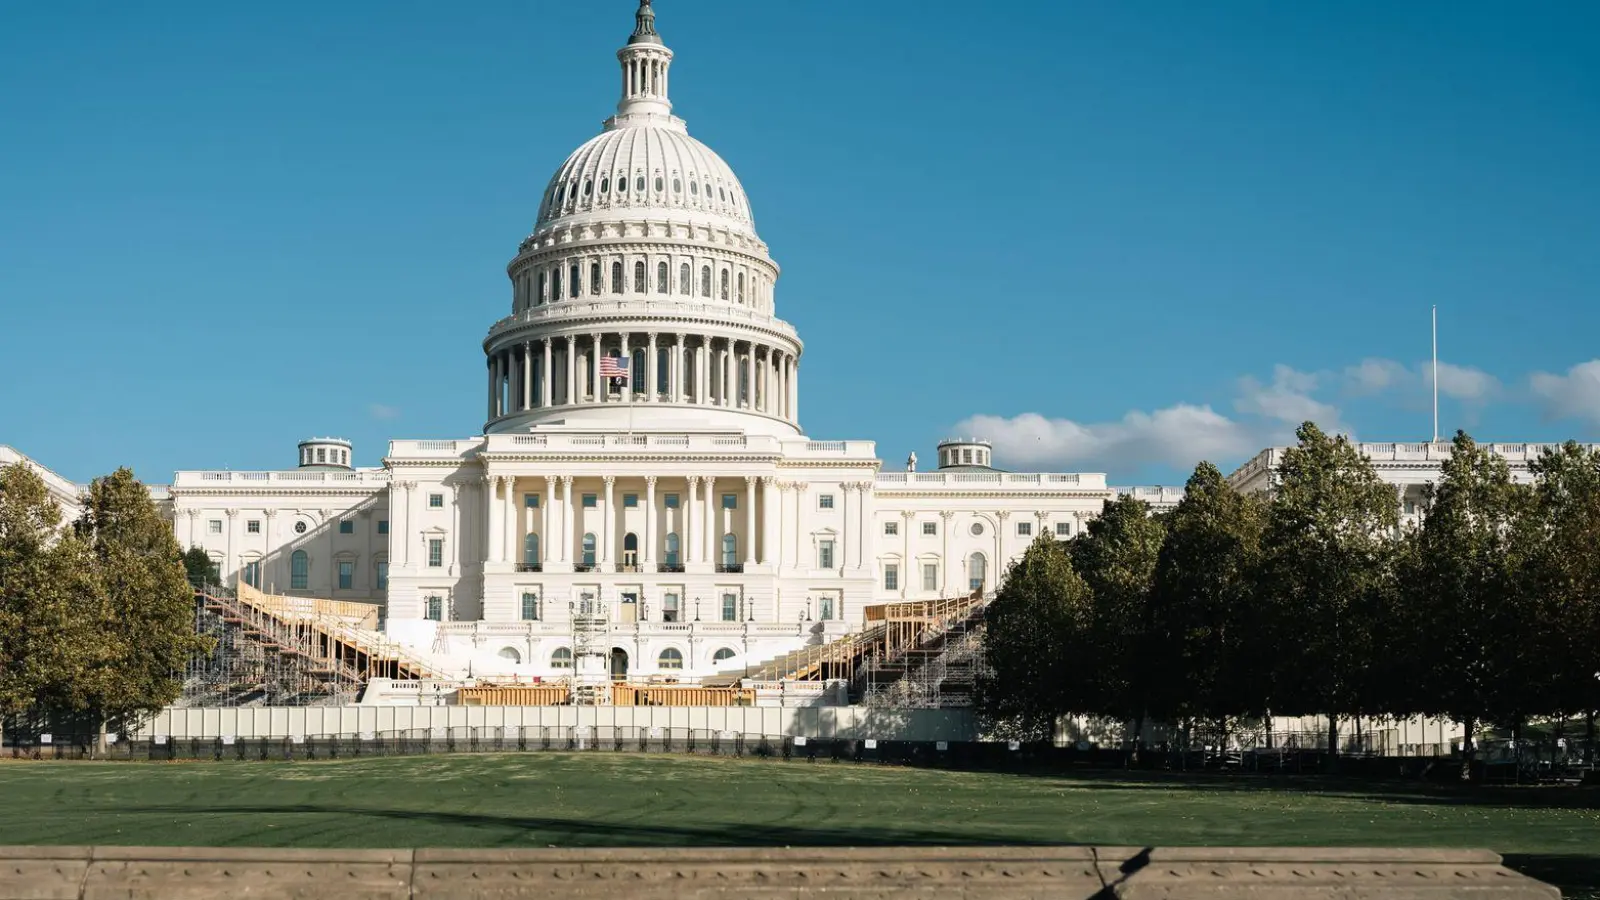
(1588, 738)
(1516, 748)
(1333, 742)
(1138, 738)
(1466, 748)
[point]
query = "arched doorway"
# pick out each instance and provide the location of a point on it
(619, 663)
(630, 552)
(977, 571)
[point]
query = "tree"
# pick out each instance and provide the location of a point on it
(1035, 641)
(1116, 557)
(146, 613)
(200, 568)
(1326, 565)
(1471, 619)
(1206, 639)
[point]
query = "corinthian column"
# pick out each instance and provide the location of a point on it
(650, 536)
(608, 519)
(750, 520)
(690, 541)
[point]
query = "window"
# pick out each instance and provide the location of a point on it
(671, 658)
(890, 529)
(605, 185)
(720, 655)
(966, 457)
(730, 501)
(616, 278)
(253, 526)
(347, 574)
(671, 501)
(383, 576)
(977, 570)
(1063, 529)
(670, 607)
(436, 501)
(530, 501)
(561, 659)
(214, 526)
(930, 529)
(588, 549)
(638, 183)
(590, 501)
(630, 550)
(672, 550)
(705, 281)
(594, 278)
(510, 653)
(1024, 529)
(660, 185)
(639, 286)
(1411, 507)
(555, 283)
(730, 551)
(435, 553)
(539, 297)
(530, 606)
(677, 185)
(694, 188)
(730, 607)
(685, 286)
(299, 570)
(930, 576)
(630, 501)
(572, 283)
(300, 527)
(347, 526)
(530, 550)
(825, 554)
(824, 501)
(977, 529)
(724, 283)
(622, 183)
(383, 526)
(252, 573)
(825, 607)
(435, 612)
(891, 577)
(663, 283)
(322, 455)
(740, 295)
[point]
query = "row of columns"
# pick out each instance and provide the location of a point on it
(699, 370)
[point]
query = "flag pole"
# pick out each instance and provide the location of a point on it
(1436, 374)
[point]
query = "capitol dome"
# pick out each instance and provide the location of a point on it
(644, 297)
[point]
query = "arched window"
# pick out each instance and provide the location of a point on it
(663, 283)
(685, 286)
(539, 297)
(299, 570)
(588, 549)
(660, 185)
(730, 550)
(638, 183)
(630, 549)
(672, 550)
(694, 188)
(671, 658)
(677, 185)
(555, 283)
(636, 372)
(724, 653)
(639, 286)
(724, 284)
(622, 184)
(616, 278)
(561, 659)
(530, 550)
(977, 570)
(510, 654)
(594, 277)
(572, 282)
(705, 281)
(605, 185)
(741, 287)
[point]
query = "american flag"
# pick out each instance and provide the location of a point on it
(613, 367)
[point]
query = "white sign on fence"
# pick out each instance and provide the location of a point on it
(799, 742)
(658, 732)
(228, 739)
(1013, 745)
(871, 744)
(368, 736)
(941, 746)
(297, 739)
(47, 738)
(161, 739)
(111, 739)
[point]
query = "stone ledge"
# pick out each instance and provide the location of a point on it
(978, 873)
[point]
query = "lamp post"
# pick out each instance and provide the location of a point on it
(697, 609)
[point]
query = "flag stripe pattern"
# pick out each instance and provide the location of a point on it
(613, 367)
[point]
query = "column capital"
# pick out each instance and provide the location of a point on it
(195, 513)
(769, 480)
(947, 514)
(650, 481)
(1003, 514)
(550, 479)
(270, 513)
(908, 514)
(566, 480)
(230, 513)
(751, 480)
(693, 480)
(546, 341)
(1040, 514)
(609, 480)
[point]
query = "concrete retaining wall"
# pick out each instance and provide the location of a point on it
(329, 721)
(1000, 873)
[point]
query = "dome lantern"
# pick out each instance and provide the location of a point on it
(645, 62)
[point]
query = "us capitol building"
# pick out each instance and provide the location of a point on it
(643, 459)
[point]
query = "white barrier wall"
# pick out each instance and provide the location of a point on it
(316, 721)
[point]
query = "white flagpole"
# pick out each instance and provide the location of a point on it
(1436, 374)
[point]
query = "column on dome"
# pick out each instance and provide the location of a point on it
(527, 375)
(725, 373)
(608, 523)
(489, 368)
(675, 375)
(794, 389)
(566, 518)
(650, 532)
(702, 372)
(750, 520)
(650, 365)
(599, 394)
(627, 383)
(690, 542)
(570, 396)
(544, 379)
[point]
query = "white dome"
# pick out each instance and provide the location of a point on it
(638, 168)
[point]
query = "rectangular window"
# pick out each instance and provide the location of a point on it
(730, 501)
(530, 606)
(671, 501)
(347, 575)
(1063, 529)
(346, 526)
(930, 529)
(891, 577)
(435, 553)
(825, 554)
(383, 576)
(824, 501)
(1024, 529)
(436, 501)
(669, 608)
(322, 456)
(531, 501)
(825, 608)
(253, 526)
(890, 529)
(435, 611)
(1411, 507)
(730, 607)
(252, 573)
(383, 526)
(930, 576)
(214, 526)
(591, 501)
(630, 501)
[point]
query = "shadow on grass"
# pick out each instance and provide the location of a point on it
(1578, 877)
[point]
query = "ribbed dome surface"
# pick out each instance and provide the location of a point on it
(644, 168)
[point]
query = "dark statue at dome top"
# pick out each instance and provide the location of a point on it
(644, 31)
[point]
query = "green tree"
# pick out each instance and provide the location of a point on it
(1116, 557)
(1035, 640)
(145, 615)
(1206, 639)
(1471, 619)
(200, 568)
(1326, 566)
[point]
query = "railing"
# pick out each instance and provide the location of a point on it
(730, 568)
(583, 308)
(668, 567)
(897, 479)
(585, 567)
(530, 567)
(375, 479)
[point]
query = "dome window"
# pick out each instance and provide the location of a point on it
(639, 286)
(663, 281)
(638, 184)
(708, 191)
(685, 287)
(605, 185)
(660, 184)
(561, 196)
(694, 188)
(721, 195)
(677, 186)
(572, 286)
(622, 184)
(616, 278)
(588, 187)
(705, 282)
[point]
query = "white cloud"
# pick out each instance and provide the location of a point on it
(382, 412)
(1179, 436)
(1373, 376)
(1376, 376)
(1575, 395)
(1287, 399)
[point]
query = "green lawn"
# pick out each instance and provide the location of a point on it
(549, 799)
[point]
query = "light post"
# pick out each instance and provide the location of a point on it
(697, 609)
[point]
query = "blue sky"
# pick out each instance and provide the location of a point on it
(1112, 237)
